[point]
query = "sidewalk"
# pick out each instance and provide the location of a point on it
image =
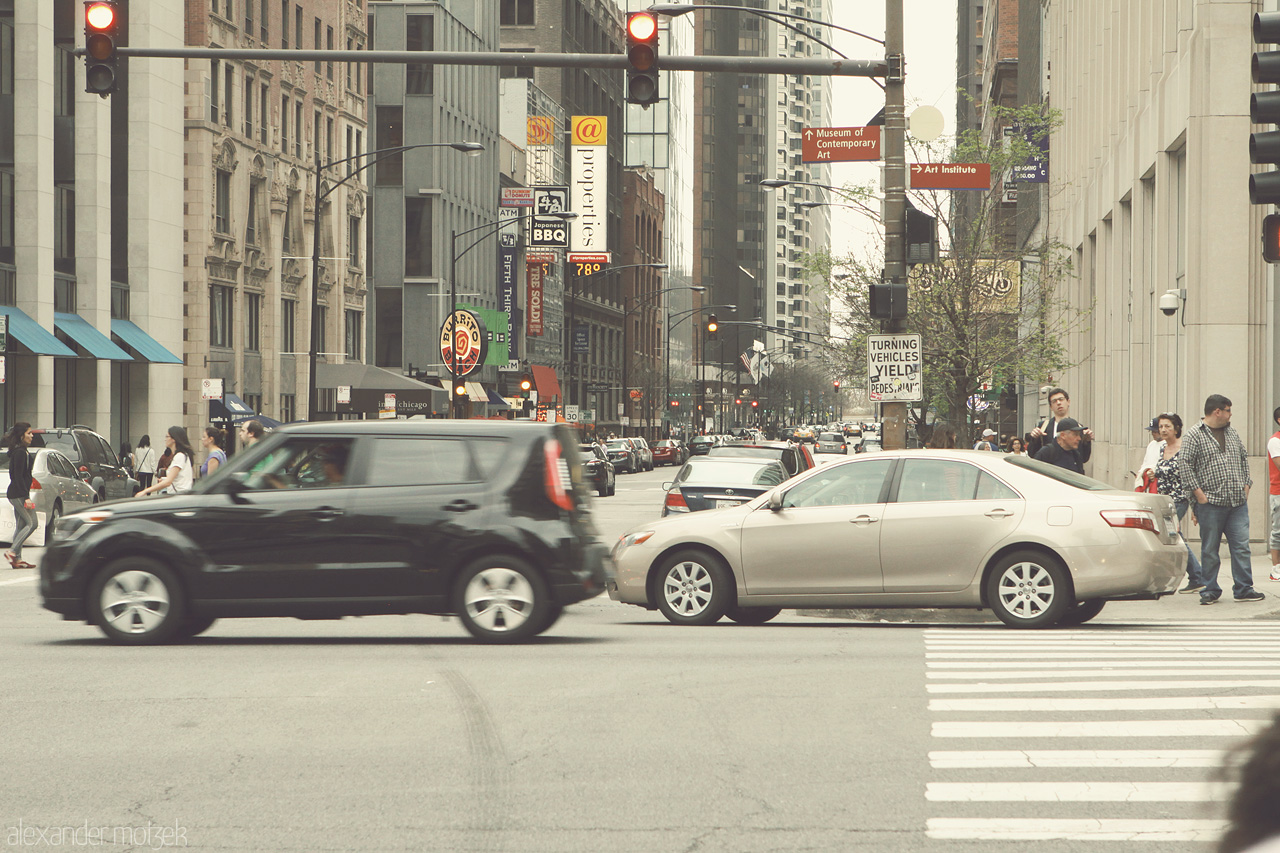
(1175, 607)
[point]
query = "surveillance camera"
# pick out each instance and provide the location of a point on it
(1169, 302)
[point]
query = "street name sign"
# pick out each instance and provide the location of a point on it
(839, 144)
(894, 368)
(950, 176)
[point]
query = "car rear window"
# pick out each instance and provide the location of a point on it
(831, 436)
(63, 442)
(1062, 475)
(725, 473)
(619, 444)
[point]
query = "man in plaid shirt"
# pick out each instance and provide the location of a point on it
(1215, 470)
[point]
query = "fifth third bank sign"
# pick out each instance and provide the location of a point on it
(894, 368)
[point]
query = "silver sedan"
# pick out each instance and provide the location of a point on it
(56, 490)
(1036, 544)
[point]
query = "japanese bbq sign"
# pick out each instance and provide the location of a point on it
(466, 333)
(950, 176)
(832, 144)
(894, 368)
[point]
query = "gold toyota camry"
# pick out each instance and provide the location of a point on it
(1034, 543)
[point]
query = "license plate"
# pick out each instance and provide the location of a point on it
(723, 503)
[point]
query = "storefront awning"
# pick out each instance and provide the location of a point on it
(230, 408)
(85, 336)
(372, 388)
(475, 391)
(32, 335)
(495, 400)
(141, 343)
(544, 379)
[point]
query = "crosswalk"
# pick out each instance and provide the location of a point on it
(1107, 734)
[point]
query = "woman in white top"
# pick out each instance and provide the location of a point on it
(144, 462)
(180, 476)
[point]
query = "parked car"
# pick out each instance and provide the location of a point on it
(1035, 543)
(711, 483)
(90, 454)
(56, 488)
(794, 457)
(598, 470)
(643, 451)
(869, 445)
(668, 452)
(700, 445)
(623, 454)
(831, 442)
(486, 520)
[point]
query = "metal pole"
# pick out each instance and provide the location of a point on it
(453, 307)
(572, 396)
(626, 357)
(895, 196)
(313, 409)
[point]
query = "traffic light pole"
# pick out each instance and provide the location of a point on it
(894, 414)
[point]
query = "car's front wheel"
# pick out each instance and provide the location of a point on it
(136, 601)
(1082, 612)
(50, 522)
(694, 588)
(1029, 589)
(502, 600)
(752, 615)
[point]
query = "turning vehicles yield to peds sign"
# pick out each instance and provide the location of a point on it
(894, 368)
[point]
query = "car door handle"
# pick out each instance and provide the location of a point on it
(460, 505)
(864, 519)
(999, 513)
(326, 513)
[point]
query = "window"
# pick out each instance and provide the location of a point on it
(846, 485)
(420, 462)
(215, 98)
(517, 13)
(321, 326)
(328, 43)
(228, 77)
(297, 28)
(288, 313)
(388, 305)
(248, 106)
(520, 72)
(7, 208)
(328, 139)
(317, 44)
(287, 408)
(302, 463)
(251, 218)
(284, 24)
(248, 17)
(252, 322)
(355, 234)
(222, 202)
(265, 112)
(284, 124)
(419, 35)
(64, 229)
(297, 129)
(220, 303)
(937, 480)
(417, 237)
(315, 137)
(290, 215)
(350, 65)
(253, 401)
(352, 334)
(390, 135)
(266, 29)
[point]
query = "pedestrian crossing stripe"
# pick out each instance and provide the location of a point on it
(1073, 792)
(1097, 673)
(1105, 654)
(1006, 729)
(1095, 686)
(1110, 664)
(1127, 703)
(1083, 829)
(1168, 758)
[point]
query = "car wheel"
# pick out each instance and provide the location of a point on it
(193, 626)
(603, 491)
(752, 615)
(502, 600)
(136, 601)
(1082, 612)
(49, 523)
(613, 487)
(694, 588)
(1028, 589)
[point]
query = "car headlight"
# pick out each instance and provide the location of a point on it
(72, 526)
(628, 539)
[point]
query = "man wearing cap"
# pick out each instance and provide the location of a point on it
(1064, 451)
(1151, 458)
(988, 440)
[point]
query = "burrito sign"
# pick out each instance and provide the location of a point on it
(465, 331)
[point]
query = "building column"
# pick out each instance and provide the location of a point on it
(93, 251)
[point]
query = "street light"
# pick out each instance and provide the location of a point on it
(685, 315)
(626, 351)
(471, 149)
(495, 225)
(676, 9)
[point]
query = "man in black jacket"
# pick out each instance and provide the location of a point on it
(1064, 451)
(1046, 431)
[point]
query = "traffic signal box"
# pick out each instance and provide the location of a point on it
(1264, 147)
(642, 59)
(712, 326)
(101, 34)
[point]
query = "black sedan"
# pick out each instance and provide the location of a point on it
(714, 482)
(622, 453)
(700, 445)
(486, 520)
(598, 470)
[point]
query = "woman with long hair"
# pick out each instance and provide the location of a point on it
(17, 440)
(178, 478)
(1017, 447)
(144, 462)
(213, 441)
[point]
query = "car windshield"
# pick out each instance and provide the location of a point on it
(700, 439)
(1062, 475)
(665, 444)
(725, 473)
(619, 444)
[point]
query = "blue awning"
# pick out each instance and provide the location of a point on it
(85, 335)
(32, 335)
(496, 400)
(142, 343)
(231, 408)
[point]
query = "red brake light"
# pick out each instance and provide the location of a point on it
(35, 484)
(557, 476)
(1138, 519)
(675, 500)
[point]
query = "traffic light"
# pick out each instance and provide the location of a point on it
(642, 59)
(888, 301)
(460, 390)
(712, 326)
(922, 237)
(1271, 238)
(835, 383)
(526, 384)
(1264, 108)
(101, 30)
(737, 401)
(675, 404)
(755, 404)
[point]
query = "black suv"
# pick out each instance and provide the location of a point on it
(487, 520)
(92, 457)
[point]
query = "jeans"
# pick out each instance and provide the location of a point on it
(1195, 574)
(1234, 522)
(24, 524)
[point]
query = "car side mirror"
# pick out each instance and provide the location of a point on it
(235, 487)
(667, 486)
(775, 501)
(83, 474)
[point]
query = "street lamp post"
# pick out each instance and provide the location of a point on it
(697, 288)
(671, 328)
(471, 149)
(454, 255)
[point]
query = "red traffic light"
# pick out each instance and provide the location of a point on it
(738, 401)
(642, 26)
(675, 404)
(100, 16)
(835, 383)
(755, 404)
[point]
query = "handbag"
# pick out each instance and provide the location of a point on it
(1149, 484)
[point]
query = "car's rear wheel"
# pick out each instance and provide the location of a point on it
(752, 615)
(502, 600)
(1029, 589)
(694, 588)
(136, 601)
(603, 491)
(613, 486)
(1082, 612)
(193, 626)
(50, 522)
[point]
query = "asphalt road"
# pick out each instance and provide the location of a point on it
(620, 732)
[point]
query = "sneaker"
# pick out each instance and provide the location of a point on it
(1209, 599)
(1275, 573)
(1192, 586)
(1251, 595)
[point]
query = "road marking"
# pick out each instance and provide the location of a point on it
(1110, 664)
(1252, 641)
(957, 760)
(1090, 673)
(1085, 829)
(1006, 729)
(1206, 625)
(1131, 703)
(27, 579)
(1073, 792)
(1063, 686)
(1102, 654)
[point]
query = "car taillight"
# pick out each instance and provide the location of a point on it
(35, 484)
(1139, 519)
(556, 476)
(675, 500)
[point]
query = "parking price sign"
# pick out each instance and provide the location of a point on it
(894, 368)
